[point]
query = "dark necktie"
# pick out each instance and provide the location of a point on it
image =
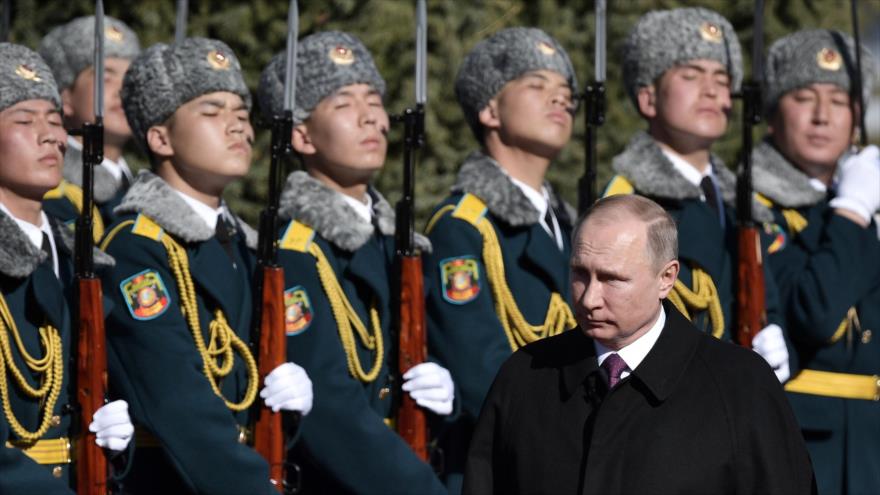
(124, 182)
(224, 232)
(613, 365)
(708, 188)
(46, 247)
(548, 220)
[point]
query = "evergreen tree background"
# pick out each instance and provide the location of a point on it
(256, 30)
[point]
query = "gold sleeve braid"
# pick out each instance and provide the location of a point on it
(50, 366)
(298, 237)
(218, 354)
(519, 332)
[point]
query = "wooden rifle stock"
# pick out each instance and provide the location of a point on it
(91, 379)
(750, 293)
(412, 424)
(272, 352)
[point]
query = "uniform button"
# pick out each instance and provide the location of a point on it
(242, 437)
(56, 420)
(384, 393)
(866, 336)
(57, 471)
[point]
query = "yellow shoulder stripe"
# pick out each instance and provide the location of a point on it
(115, 230)
(470, 209)
(297, 237)
(618, 185)
(145, 226)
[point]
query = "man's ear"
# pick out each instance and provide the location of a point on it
(667, 277)
(489, 115)
(66, 105)
(647, 100)
(159, 142)
(302, 141)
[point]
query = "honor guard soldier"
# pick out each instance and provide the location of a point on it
(498, 275)
(679, 68)
(36, 273)
(824, 250)
(336, 246)
(69, 51)
(182, 293)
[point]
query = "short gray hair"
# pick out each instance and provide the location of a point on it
(662, 232)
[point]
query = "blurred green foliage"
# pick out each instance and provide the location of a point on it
(256, 29)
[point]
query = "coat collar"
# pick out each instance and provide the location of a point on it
(105, 185)
(311, 202)
(779, 180)
(661, 369)
(653, 174)
(152, 196)
(483, 177)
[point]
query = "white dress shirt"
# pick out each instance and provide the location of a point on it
(634, 353)
(364, 209)
(205, 212)
(541, 201)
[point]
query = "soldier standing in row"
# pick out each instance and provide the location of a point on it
(824, 250)
(69, 51)
(180, 328)
(336, 246)
(679, 68)
(498, 275)
(36, 274)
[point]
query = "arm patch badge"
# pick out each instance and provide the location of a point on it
(145, 295)
(779, 237)
(460, 278)
(297, 310)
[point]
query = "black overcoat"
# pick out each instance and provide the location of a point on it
(696, 416)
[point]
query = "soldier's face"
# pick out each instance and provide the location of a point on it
(532, 113)
(32, 140)
(79, 100)
(812, 126)
(209, 139)
(689, 103)
(616, 287)
(344, 137)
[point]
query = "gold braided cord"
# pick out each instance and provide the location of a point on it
(51, 366)
(850, 322)
(519, 331)
(703, 297)
(74, 194)
(348, 322)
(223, 341)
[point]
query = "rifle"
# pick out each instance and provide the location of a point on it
(412, 424)
(856, 85)
(594, 115)
(89, 341)
(270, 333)
(750, 295)
(180, 21)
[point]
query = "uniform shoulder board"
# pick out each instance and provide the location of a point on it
(618, 185)
(297, 237)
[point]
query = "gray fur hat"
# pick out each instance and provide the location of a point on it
(325, 62)
(662, 39)
(24, 76)
(814, 56)
(69, 48)
(501, 58)
(164, 77)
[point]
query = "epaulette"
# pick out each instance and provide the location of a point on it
(796, 222)
(298, 237)
(470, 208)
(143, 226)
(73, 193)
(619, 185)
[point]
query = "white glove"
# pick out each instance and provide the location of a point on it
(288, 387)
(112, 426)
(430, 385)
(858, 187)
(770, 344)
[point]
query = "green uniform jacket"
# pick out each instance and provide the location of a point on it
(35, 297)
(154, 363)
(345, 444)
(828, 267)
(703, 241)
(464, 331)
